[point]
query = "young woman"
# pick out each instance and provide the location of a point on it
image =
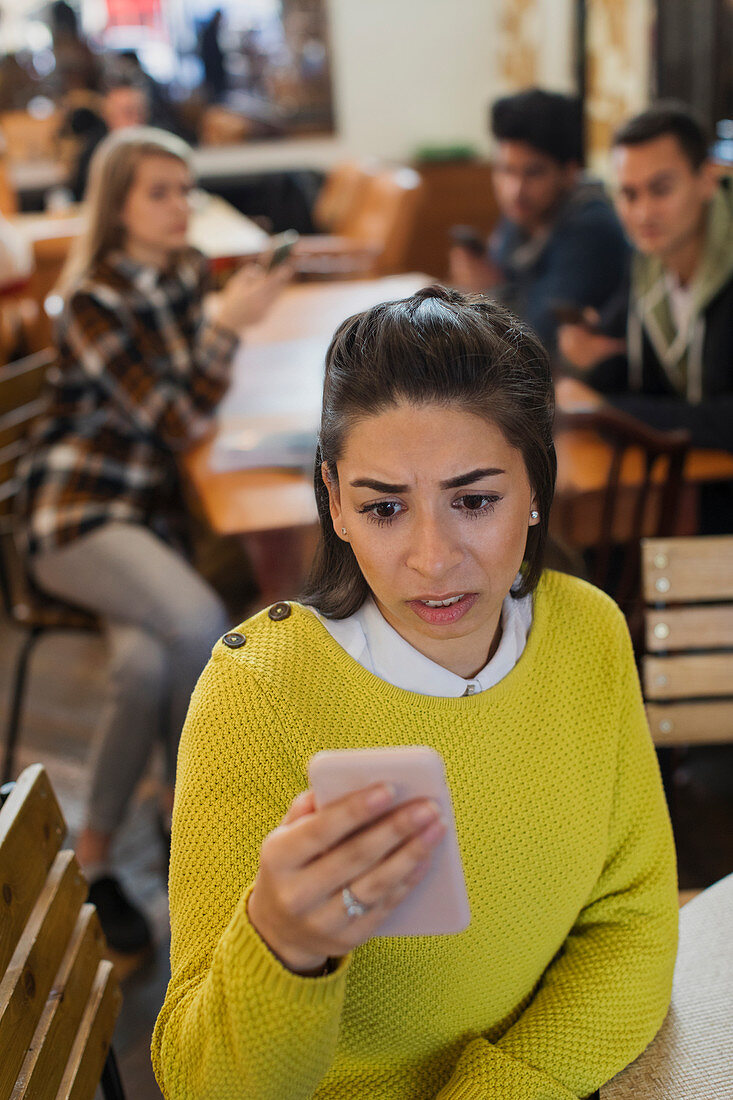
(143, 360)
(427, 620)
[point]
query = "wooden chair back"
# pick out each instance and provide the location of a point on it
(641, 494)
(30, 137)
(341, 195)
(21, 402)
(59, 998)
(688, 666)
(385, 217)
(8, 194)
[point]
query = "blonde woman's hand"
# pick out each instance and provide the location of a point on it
(248, 295)
(361, 842)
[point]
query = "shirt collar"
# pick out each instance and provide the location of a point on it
(144, 277)
(369, 639)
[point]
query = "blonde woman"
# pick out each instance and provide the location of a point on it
(142, 362)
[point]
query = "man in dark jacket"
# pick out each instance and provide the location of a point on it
(665, 352)
(558, 246)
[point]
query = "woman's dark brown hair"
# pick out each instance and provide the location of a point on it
(436, 347)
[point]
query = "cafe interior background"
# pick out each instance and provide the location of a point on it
(308, 85)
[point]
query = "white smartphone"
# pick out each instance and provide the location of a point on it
(439, 904)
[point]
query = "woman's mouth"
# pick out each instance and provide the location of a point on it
(441, 610)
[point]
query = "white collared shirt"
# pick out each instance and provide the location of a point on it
(681, 301)
(369, 639)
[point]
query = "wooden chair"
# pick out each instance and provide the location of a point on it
(30, 136)
(688, 666)
(21, 401)
(375, 238)
(59, 997)
(8, 194)
(341, 195)
(641, 497)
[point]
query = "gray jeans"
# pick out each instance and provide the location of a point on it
(161, 619)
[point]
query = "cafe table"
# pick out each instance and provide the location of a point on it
(691, 1056)
(277, 381)
(278, 374)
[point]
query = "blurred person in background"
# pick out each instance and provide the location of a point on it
(662, 349)
(143, 361)
(125, 103)
(558, 245)
(212, 57)
(77, 67)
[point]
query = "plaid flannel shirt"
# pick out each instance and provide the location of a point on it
(138, 375)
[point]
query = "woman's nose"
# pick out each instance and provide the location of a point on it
(433, 552)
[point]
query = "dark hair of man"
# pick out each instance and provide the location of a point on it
(548, 121)
(436, 347)
(667, 118)
(116, 79)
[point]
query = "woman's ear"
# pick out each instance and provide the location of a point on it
(334, 501)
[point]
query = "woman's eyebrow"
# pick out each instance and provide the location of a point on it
(378, 486)
(470, 477)
(451, 483)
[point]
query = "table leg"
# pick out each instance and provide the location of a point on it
(280, 560)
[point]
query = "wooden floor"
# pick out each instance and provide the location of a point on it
(63, 700)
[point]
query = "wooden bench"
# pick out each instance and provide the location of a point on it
(688, 666)
(59, 997)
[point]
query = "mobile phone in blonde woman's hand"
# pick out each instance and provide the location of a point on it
(438, 905)
(280, 248)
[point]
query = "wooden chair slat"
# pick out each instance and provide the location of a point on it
(92, 1042)
(45, 1063)
(32, 829)
(35, 962)
(22, 381)
(684, 723)
(688, 677)
(15, 423)
(59, 997)
(690, 628)
(686, 570)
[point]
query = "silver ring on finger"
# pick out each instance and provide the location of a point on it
(352, 905)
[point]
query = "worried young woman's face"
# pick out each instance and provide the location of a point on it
(436, 505)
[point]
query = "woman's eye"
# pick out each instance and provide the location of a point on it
(381, 512)
(476, 503)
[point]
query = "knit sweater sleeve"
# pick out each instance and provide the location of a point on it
(235, 1022)
(604, 996)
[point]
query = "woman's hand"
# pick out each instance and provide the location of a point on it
(248, 295)
(380, 853)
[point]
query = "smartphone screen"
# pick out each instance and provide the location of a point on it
(438, 905)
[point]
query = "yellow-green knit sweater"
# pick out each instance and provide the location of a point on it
(564, 974)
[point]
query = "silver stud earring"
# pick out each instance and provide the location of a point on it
(534, 515)
(343, 530)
